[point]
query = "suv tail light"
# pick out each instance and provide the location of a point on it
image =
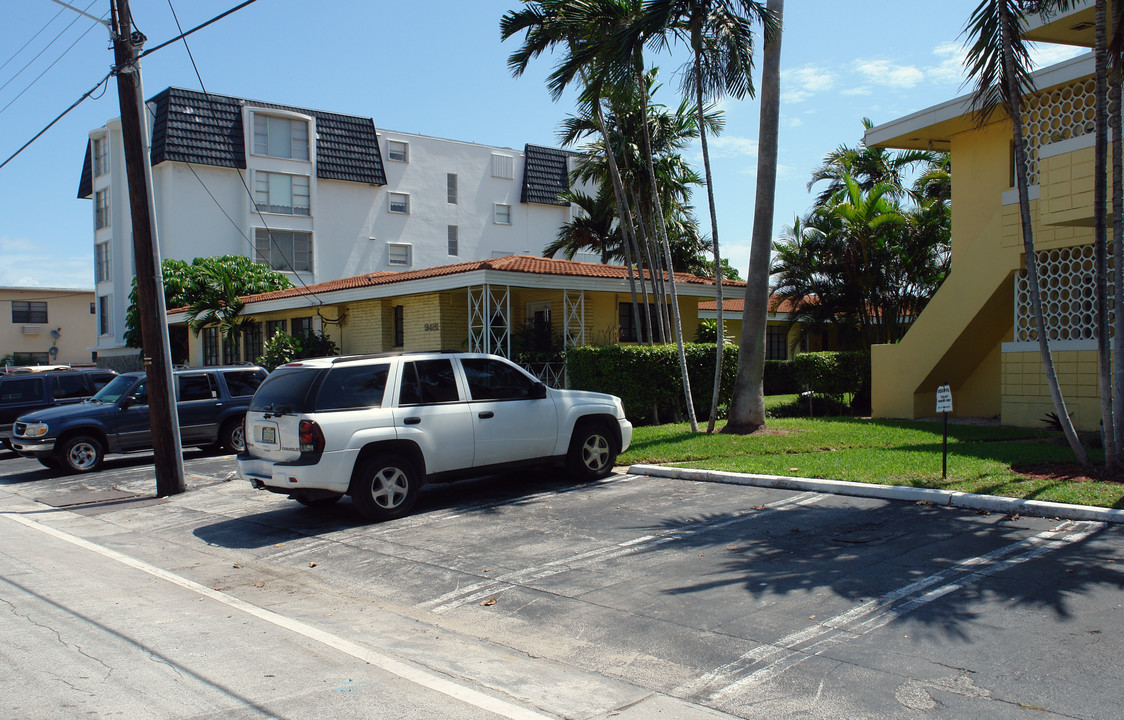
(311, 437)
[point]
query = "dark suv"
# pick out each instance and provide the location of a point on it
(27, 392)
(211, 402)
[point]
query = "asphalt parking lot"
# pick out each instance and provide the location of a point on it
(636, 592)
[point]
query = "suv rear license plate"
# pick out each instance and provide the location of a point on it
(269, 435)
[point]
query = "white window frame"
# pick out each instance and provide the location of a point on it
(454, 241)
(402, 151)
(103, 262)
(503, 166)
(99, 155)
(269, 179)
(294, 120)
(404, 200)
(506, 213)
(399, 254)
(101, 209)
(289, 262)
(105, 327)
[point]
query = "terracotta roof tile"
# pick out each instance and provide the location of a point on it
(776, 304)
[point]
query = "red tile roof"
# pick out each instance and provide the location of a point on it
(776, 304)
(529, 264)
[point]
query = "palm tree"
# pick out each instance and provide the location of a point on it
(719, 33)
(998, 63)
(594, 230)
(219, 304)
(747, 403)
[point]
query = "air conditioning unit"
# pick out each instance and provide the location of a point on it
(32, 329)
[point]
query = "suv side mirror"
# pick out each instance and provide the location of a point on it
(538, 391)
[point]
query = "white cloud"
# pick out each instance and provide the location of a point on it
(1044, 54)
(728, 146)
(950, 68)
(884, 72)
(858, 90)
(794, 122)
(29, 264)
(809, 77)
(793, 96)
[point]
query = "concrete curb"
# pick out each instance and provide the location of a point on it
(970, 501)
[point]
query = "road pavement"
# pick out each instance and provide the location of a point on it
(528, 596)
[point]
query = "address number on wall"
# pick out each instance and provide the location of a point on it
(431, 327)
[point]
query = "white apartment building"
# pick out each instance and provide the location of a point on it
(317, 195)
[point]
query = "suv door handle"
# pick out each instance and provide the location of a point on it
(412, 420)
(486, 414)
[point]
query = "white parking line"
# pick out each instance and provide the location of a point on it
(766, 662)
(402, 669)
(494, 586)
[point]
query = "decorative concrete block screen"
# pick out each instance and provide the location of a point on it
(1054, 115)
(1068, 303)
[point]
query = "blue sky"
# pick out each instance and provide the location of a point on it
(434, 67)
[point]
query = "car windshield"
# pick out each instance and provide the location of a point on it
(285, 391)
(112, 392)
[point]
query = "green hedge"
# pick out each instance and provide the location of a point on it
(780, 378)
(833, 374)
(647, 378)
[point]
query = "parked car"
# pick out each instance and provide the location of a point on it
(211, 403)
(377, 427)
(26, 390)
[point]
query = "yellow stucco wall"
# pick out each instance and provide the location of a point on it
(1026, 399)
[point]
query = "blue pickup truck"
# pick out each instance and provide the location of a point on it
(211, 402)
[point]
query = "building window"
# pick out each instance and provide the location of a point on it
(776, 342)
(503, 214)
(31, 358)
(454, 248)
(503, 166)
(103, 314)
(93, 308)
(101, 209)
(99, 151)
(101, 262)
(211, 345)
(280, 137)
(272, 327)
(281, 193)
(29, 311)
(399, 203)
(283, 250)
(399, 326)
(399, 254)
(451, 184)
(252, 341)
(629, 331)
(398, 151)
(302, 326)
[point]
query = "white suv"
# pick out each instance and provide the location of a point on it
(377, 427)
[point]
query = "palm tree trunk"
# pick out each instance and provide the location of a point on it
(747, 404)
(655, 274)
(678, 326)
(1117, 252)
(1100, 233)
(1006, 24)
(714, 242)
(618, 186)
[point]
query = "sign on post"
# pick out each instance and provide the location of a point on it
(944, 399)
(944, 405)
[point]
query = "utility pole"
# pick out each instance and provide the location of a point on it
(162, 413)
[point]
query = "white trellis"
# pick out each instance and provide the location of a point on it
(573, 311)
(1065, 276)
(489, 320)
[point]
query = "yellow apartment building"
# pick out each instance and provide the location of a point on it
(977, 334)
(47, 326)
(502, 306)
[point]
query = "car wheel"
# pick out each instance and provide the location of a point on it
(232, 437)
(81, 453)
(318, 502)
(593, 451)
(385, 488)
(49, 461)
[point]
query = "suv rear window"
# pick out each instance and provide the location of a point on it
(285, 390)
(20, 390)
(353, 387)
(243, 383)
(70, 386)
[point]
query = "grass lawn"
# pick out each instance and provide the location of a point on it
(888, 452)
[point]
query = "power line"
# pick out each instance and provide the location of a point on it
(51, 124)
(48, 68)
(24, 46)
(194, 29)
(253, 202)
(45, 49)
